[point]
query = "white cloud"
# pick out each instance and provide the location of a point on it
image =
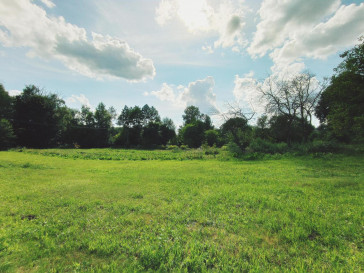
(282, 20)
(48, 3)
(80, 100)
(246, 91)
(297, 29)
(199, 93)
(341, 30)
(28, 25)
(14, 93)
(166, 93)
(219, 18)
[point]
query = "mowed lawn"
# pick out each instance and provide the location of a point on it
(299, 214)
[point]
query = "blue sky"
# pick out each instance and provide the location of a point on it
(170, 53)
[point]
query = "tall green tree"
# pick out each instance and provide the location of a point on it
(341, 105)
(237, 131)
(6, 107)
(37, 118)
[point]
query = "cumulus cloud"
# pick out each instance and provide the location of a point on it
(80, 100)
(48, 3)
(246, 91)
(281, 20)
(324, 39)
(24, 24)
(221, 18)
(297, 29)
(199, 93)
(14, 93)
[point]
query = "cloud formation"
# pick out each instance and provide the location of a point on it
(24, 24)
(222, 18)
(198, 93)
(291, 30)
(78, 101)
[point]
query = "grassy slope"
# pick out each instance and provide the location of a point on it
(90, 215)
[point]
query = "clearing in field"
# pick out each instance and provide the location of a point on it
(66, 211)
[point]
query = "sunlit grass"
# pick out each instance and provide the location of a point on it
(59, 212)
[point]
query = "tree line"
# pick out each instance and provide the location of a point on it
(38, 119)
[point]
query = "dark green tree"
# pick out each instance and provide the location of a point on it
(238, 131)
(37, 118)
(7, 137)
(6, 101)
(341, 105)
(192, 134)
(191, 115)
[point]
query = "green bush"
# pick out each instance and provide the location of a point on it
(263, 146)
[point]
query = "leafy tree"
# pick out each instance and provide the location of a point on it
(262, 129)
(150, 114)
(192, 134)
(341, 105)
(37, 118)
(5, 104)
(167, 131)
(293, 98)
(151, 134)
(238, 131)
(212, 137)
(281, 126)
(7, 136)
(191, 115)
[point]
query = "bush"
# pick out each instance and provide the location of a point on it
(234, 149)
(320, 146)
(263, 146)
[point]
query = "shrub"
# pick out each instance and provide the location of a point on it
(263, 146)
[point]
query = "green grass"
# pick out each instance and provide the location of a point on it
(62, 213)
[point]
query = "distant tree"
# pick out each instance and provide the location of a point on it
(37, 118)
(341, 105)
(262, 128)
(151, 134)
(103, 123)
(191, 115)
(293, 98)
(87, 116)
(207, 122)
(212, 137)
(150, 115)
(7, 137)
(192, 134)
(6, 107)
(238, 131)
(167, 131)
(281, 125)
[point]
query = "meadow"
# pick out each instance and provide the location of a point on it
(110, 210)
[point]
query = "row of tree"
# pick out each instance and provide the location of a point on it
(38, 119)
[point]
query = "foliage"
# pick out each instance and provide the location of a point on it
(7, 137)
(259, 145)
(192, 134)
(287, 129)
(294, 98)
(37, 118)
(237, 131)
(5, 104)
(212, 137)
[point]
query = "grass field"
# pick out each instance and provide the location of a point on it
(66, 211)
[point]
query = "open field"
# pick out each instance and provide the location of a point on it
(62, 213)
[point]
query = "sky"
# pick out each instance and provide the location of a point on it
(170, 53)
